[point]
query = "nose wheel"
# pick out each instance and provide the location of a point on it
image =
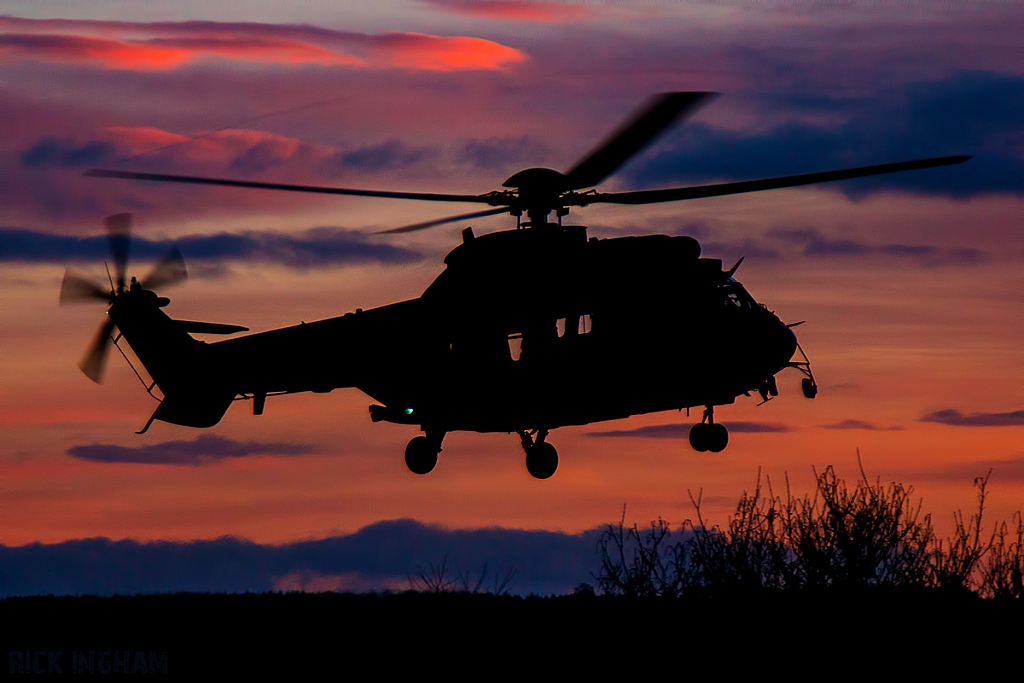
(541, 457)
(421, 453)
(708, 435)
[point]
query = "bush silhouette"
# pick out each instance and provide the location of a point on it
(840, 537)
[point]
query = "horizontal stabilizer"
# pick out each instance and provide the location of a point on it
(208, 328)
(201, 409)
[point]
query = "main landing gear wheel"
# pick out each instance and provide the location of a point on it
(421, 455)
(709, 436)
(542, 460)
(541, 457)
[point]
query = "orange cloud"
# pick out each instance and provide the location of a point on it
(163, 53)
(142, 138)
(152, 46)
(513, 10)
(419, 51)
(221, 145)
(76, 49)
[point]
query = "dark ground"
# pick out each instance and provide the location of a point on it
(871, 632)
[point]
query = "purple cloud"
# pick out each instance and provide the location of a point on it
(200, 451)
(955, 418)
(314, 248)
(682, 431)
(1008, 470)
(860, 424)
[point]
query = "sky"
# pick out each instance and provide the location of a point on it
(910, 284)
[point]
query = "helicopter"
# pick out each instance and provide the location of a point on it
(525, 330)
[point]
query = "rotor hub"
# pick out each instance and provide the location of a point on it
(539, 192)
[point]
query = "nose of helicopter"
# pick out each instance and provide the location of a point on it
(782, 344)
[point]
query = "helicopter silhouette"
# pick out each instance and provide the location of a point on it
(525, 330)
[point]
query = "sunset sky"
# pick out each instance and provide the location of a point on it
(910, 284)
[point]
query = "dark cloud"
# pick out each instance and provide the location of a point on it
(975, 113)
(498, 153)
(860, 424)
(955, 418)
(259, 158)
(314, 248)
(53, 152)
(757, 427)
(682, 431)
(815, 245)
(748, 248)
(380, 555)
(1008, 470)
(202, 450)
(390, 155)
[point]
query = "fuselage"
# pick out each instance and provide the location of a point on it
(529, 330)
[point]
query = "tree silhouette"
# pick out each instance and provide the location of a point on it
(841, 537)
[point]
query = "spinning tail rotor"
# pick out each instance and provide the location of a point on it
(77, 289)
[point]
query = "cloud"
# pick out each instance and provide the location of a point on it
(389, 155)
(514, 10)
(165, 53)
(241, 150)
(860, 424)
(376, 557)
(200, 451)
(757, 427)
(1008, 470)
(955, 418)
(314, 248)
(142, 46)
(815, 245)
(748, 248)
(498, 152)
(966, 113)
(435, 53)
(682, 431)
(53, 152)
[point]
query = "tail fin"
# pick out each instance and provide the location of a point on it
(195, 394)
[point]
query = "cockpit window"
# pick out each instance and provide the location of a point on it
(736, 296)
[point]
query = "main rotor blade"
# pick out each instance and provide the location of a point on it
(95, 358)
(699, 192)
(441, 221)
(119, 228)
(194, 180)
(169, 270)
(75, 289)
(632, 137)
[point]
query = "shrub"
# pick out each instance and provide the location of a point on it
(841, 537)
(1002, 567)
(640, 564)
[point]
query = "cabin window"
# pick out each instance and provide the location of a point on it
(583, 325)
(515, 345)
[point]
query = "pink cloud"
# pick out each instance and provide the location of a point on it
(513, 10)
(154, 46)
(420, 51)
(228, 145)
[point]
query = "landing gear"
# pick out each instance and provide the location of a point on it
(421, 453)
(707, 435)
(808, 386)
(541, 457)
